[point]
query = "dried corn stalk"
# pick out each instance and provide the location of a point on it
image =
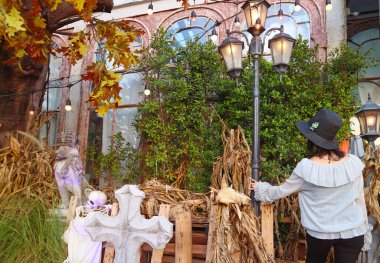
(157, 193)
(236, 235)
(372, 173)
(26, 169)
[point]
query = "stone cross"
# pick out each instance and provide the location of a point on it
(129, 229)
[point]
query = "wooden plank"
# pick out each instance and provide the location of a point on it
(183, 243)
(72, 207)
(210, 243)
(109, 251)
(198, 250)
(158, 253)
(267, 227)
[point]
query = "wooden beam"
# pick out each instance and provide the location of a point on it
(158, 253)
(267, 227)
(183, 237)
(109, 251)
(210, 243)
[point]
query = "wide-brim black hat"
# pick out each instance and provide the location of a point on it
(322, 128)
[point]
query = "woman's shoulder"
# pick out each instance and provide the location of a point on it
(330, 175)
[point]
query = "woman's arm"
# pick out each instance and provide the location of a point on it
(265, 192)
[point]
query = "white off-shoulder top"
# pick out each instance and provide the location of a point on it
(331, 197)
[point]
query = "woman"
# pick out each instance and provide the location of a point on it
(330, 192)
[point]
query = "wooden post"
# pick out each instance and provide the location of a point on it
(183, 238)
(72, 207)
(158, 253)
(267, 227)
(109, 251)
(211, 226)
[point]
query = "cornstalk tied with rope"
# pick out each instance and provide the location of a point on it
(236, 232)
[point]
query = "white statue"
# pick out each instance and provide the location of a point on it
(129, 229)
(68, 171)
(81, 248)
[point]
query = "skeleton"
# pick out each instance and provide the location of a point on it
(68, 171)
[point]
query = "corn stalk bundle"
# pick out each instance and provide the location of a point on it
(236, 232)
(371, 172)
(288, 206)
(26, 170)
(157, 193)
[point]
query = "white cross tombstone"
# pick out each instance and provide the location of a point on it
(129, 229)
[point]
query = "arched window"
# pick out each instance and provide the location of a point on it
(369, 40)
(295, 24)
(185, 30)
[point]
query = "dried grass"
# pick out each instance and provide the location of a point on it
(26, 169)
(178, 199)
(372, 173)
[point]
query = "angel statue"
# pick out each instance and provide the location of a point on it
(68, 171)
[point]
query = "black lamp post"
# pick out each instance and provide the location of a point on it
(231, 49)
(369, 119)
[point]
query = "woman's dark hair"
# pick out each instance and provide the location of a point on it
(315, 150)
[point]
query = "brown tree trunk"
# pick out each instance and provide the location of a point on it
(16, 85)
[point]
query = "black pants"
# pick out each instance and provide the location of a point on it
(345, 250)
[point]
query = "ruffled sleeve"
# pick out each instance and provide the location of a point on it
(265, 192)
(330, 175)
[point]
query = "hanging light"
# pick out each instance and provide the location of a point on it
(280, 14)
(68, 105)
(214, 35)
(31, 111)
(328, 5)
(150, 9)
(255, 12)
(231, 51)
(237, 21)
(193, 16)
(297, 6)
(281, 46)
(369, 118)
(146, 92)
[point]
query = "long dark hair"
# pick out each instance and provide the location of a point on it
(315, 150)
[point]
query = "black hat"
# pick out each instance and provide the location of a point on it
(322, 128)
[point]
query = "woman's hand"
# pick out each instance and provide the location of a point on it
(253, 184)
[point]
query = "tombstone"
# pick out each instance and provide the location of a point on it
(129, 229)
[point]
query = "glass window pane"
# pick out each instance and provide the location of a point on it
(132, 87)
(304, 31)
(125, 117)
(200, 21)
(369, 87)
(124, 120)
(301, 16)
(51, 128)
(54, 95)
(185, 31)
(374, 47)
(188, 34)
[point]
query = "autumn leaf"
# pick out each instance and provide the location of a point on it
(14, 22)
(78, 4)
(102, 110)
(83, 49)
(39, 22)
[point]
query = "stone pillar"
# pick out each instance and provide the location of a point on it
(336, 25)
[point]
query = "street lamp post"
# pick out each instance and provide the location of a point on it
(231, 48)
